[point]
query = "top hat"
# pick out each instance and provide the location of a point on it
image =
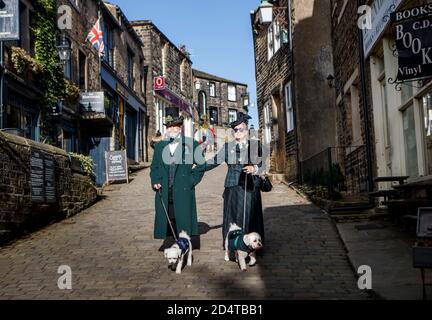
(173, 122)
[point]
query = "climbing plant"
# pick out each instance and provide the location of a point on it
(52, 80)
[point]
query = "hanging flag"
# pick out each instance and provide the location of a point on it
(95, 37)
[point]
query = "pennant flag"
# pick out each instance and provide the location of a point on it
(95, 37)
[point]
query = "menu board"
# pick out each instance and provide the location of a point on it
(43, 188)
(116, 166)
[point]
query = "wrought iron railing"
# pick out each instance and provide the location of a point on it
(340, 170)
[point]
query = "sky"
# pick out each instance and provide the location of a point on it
(217, 33)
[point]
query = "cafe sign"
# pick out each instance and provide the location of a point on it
(413, 36)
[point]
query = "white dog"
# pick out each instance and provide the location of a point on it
(243, 245)
(178, 250)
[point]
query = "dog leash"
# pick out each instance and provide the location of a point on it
(167, 215)
(244, 203)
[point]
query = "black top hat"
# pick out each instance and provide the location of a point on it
(172, 122)
(241, 118)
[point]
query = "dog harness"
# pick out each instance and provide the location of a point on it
(236, 242)
(183, 244)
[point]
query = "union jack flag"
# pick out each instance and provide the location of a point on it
(95, 37)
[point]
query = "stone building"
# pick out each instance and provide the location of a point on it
(171, 64)
(219, 99)
(104, 109)
(399, 114)
(293, 58)
(21, 110)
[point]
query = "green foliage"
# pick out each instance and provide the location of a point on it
(87, 163)
(24, 63)
(52, 80)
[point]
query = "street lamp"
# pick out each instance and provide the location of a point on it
(64, 49)
(265, 12)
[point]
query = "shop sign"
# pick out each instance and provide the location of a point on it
(413, 36)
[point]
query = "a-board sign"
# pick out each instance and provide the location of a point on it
(116, 166)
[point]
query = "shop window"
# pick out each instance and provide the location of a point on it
(427, 116)
(172, 111)
(69, 143)
(411, 159)
(406, 93)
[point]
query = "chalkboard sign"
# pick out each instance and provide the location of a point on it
(42, 178)
(116, 166)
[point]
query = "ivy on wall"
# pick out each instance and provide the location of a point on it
(52, 81)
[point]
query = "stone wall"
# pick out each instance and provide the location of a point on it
(19, 212)
(346, 62)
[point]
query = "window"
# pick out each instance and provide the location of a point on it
(82, 70)
(109, 44)
(289, 108)
(232, 115)
(214, 116)
(130, 66)
(164, 58)
(267, 124)
(276, 36)
(352, 104)
(232, 96)
(202, 103)
(411, 159)
(427, 116)
(212, 89)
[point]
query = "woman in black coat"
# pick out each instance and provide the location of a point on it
(244, 159)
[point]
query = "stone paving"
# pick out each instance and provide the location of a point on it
(112, 254)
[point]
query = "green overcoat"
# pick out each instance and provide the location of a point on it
(187, 153)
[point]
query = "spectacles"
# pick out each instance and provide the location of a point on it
(240, 130)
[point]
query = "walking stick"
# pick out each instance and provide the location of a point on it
(167, 215)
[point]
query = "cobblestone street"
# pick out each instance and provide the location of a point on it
(112, 254)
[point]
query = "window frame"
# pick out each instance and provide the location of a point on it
(230, 94)
(289, 108)
(212, 84)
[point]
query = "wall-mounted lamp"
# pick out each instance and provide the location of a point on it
(265, 12)
(333, 82)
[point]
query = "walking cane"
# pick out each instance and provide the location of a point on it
(167, 215)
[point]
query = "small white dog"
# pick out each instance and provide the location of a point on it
(243, 245)
(178, 250)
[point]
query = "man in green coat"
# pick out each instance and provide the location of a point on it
(174, 180)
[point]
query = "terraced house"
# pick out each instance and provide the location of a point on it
(293, 58)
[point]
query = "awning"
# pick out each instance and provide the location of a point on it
(175, 100)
